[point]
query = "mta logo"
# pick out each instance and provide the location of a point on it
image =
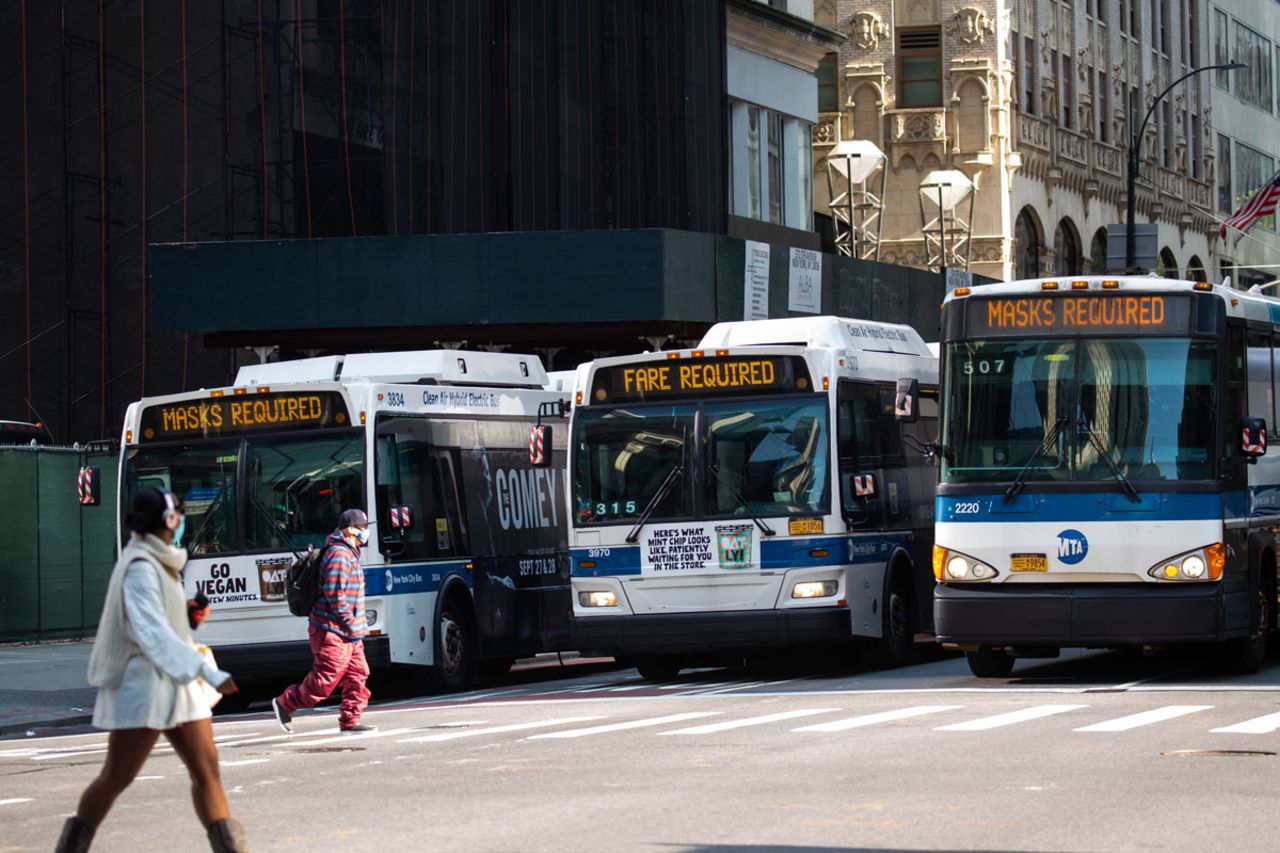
(1072, 547)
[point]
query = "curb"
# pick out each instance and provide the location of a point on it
(61, 722)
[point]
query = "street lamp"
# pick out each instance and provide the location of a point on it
(947, 188)
(1130, 244)
(855, 209)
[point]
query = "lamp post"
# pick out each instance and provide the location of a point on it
(1130, 244)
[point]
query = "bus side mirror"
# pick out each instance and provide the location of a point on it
(540, 446)
(1253, 438)
(90, 485)
(905, 408)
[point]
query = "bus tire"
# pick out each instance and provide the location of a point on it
(897, 644)
(495, 667)
(455, 653)
(988, 662)
(1245, 655)
(657, 667)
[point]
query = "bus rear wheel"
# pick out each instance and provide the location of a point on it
(897, 644)
(988, 662)
(454, 653)
(657, 667)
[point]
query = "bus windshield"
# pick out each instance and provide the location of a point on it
(766, 456)
(1063, 407)
(292, 493)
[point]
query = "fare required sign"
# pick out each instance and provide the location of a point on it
(1087, 313)
(700, 377)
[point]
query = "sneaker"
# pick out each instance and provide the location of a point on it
(283, 717)
(357, 729)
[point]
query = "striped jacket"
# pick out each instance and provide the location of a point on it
(340, 607)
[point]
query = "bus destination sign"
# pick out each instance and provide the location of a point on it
(693, 377)
(1067, 314)
(241, 414)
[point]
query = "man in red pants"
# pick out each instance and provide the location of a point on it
(337, 628)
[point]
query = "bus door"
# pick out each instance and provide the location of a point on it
(519, 541)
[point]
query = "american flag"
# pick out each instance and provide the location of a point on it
(1262, 203)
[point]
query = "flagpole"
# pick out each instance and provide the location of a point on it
(1130, 242)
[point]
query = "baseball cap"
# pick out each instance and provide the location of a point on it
(352, 518)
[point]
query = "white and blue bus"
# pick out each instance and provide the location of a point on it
(753, 493)
(1105, 479)
(466, 567)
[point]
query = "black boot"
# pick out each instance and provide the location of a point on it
(76, 837)
(227, 836)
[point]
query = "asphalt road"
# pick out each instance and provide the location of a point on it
(1092, 752)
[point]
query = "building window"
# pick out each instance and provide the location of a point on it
(1068, 91)
(1026, 234)
(1098, 252)
(1166, 134)
(1253, 83)
(753, 205)
(770, 164)
(1102, 107)
(1220, 77)
(1253, 169)
(1224, 176)
(828, 90)
(920, 67)
(1066, 250)
(1028, 74)
(775, 167)
(1197, 148)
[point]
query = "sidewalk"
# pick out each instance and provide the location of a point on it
(43, 686)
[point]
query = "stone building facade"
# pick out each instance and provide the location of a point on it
(1031, 100)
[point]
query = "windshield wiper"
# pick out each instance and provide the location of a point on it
(714, 468)
(1021, 480)
(657, 498)
(1115, 469)
(284, 534)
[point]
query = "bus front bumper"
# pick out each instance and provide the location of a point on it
(700, 632)
(1096, 615)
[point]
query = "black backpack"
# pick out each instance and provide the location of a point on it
(303, 585)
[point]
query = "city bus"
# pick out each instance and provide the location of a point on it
(1105, 475)
(754, 493)
(466, 568)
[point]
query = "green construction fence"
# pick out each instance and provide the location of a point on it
(57, 554)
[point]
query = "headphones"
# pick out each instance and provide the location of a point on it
(171, 517)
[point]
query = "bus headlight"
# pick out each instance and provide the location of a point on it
(601, 598)
(1198, 565)
(950, 566)
(814, 589)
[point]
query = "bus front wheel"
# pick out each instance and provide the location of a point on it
(988, 662)
(1245, 655)
(657, 667)
(897, 645)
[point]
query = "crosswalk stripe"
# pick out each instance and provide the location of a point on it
(873, 719)
(243, 762)
(1146, 718)
(982, 724)
(633, 724)
(498, 730)
(342, 738)
(14, 801)
(711, 728)
(1257, 726)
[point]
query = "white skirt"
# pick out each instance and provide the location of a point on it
(146, 699)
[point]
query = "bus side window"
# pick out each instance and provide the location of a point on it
(398, 483)
(859, 426)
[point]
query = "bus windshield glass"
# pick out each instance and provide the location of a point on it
(204, 476)
(292, 493)
(771, 453)
(1063, 407)
(624, 455)
(764, 456)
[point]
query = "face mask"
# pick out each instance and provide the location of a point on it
(179, 530)
(362, 535)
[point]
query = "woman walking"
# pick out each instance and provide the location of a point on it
(148, 674)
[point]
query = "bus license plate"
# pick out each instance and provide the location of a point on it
(1030, 563)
